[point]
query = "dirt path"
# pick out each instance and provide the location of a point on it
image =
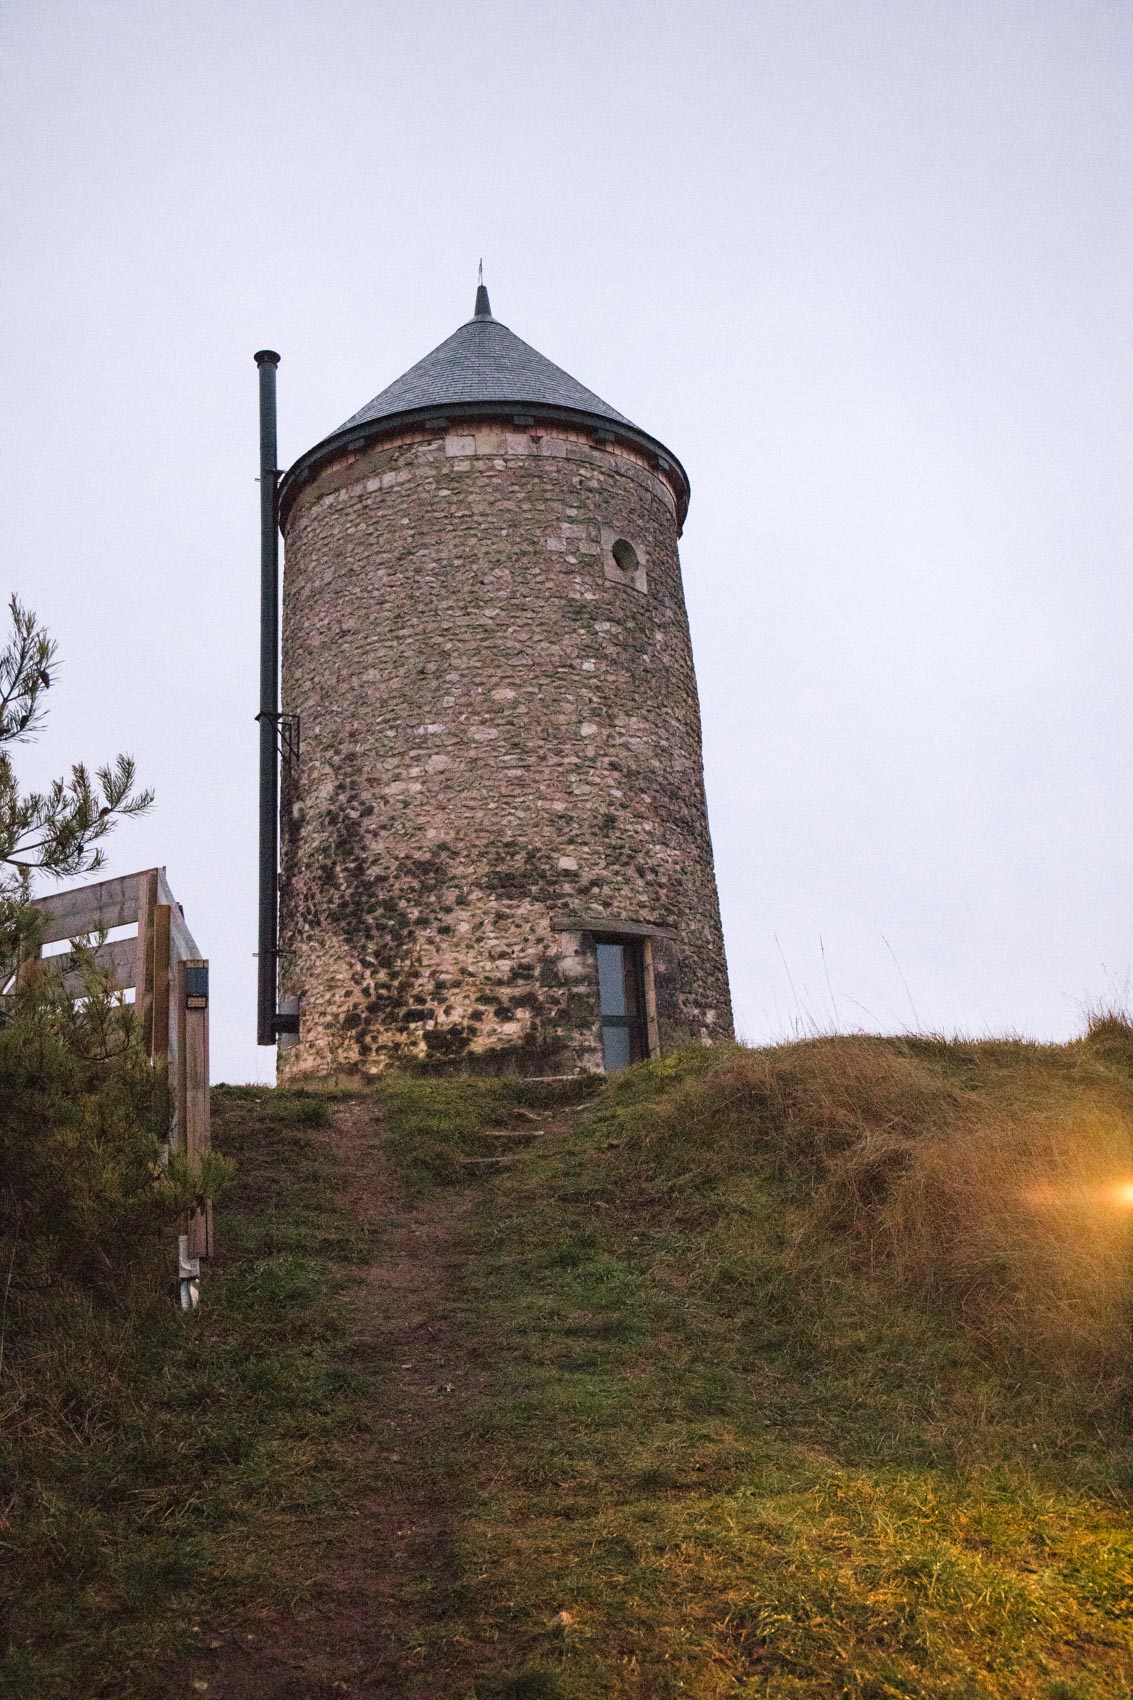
(372, 1577)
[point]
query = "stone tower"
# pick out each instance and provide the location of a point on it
(495, 841)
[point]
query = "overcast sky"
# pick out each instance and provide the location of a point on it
(864, 267)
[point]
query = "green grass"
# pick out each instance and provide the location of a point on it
(743, 1448)
(147, 1454)
(790, 1373)
(436, 1123)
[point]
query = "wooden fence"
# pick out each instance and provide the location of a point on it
(162, 964)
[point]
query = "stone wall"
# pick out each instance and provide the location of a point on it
(500, 740)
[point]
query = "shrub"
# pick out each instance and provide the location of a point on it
(84, 1193)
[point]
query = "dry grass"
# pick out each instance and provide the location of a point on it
(809, 1379)
(990, 1181)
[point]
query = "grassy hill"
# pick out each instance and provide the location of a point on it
(791, 1372)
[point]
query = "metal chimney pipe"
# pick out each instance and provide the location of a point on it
(268, 717)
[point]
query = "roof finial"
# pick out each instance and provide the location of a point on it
(483, 305)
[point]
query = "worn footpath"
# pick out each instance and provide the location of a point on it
(369, 1578)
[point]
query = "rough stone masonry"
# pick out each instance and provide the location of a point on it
(486, 644)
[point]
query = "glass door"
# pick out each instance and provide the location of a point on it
(621, 1001)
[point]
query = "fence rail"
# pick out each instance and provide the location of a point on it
(171, 1003)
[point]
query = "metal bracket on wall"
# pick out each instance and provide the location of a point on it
(289, 741)
(287, 732)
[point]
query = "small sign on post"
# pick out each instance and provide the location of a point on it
(197, 986)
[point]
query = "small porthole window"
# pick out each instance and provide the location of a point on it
(625, 563)
(625, 555)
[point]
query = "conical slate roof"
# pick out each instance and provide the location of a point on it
(483, 362)
(480, 369)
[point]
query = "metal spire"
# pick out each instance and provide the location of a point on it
(483, 305)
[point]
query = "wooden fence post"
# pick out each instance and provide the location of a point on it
(159, 955)
(143, 969)
(159, 1018)
(192, 992)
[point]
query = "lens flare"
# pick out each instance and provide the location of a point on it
(1082, 1196)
